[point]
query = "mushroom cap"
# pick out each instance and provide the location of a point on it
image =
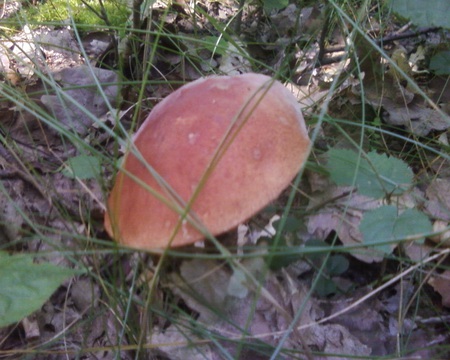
(225, 145)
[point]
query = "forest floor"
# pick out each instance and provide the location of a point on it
(353, 274)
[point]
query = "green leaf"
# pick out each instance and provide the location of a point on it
(375, 175)
(440, 63)
(325, 286)
(270, 5)
(291, 225)
(25, 286)
(424, 12)
(82, 167)
(384, 224)
(337, 265)
(412, 223)
(217, 45)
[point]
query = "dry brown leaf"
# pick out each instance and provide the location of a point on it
(203, 286)
(417, 118)
(265, 318)
(85, 94)
(441, 284)
(176, 344)
(402, 107)
(31, 327)
(416, 251)
(438, 194)
(338, 340)
(85, 293)
(341, 210)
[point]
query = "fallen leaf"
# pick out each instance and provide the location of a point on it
(341, 342)
(438, 194)
(401, 107)
(416, 251)
(265, 313)
(175, 343)
(417, 118)
(441, 284)
(82, 96)
(342, 213)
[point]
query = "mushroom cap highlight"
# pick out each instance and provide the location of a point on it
(218, 149)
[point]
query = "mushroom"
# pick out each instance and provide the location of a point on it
(208, 157)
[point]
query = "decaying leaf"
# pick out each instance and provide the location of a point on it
(443, 237)
(401, 107)
(85, 294)
(416, 251)
(342, 209)
(340, 341)
(342, 212)
(398, 102)
(31, 327)
(207, 278)
(264, 313)
(82, 96)
(234, 61)
(418, 118)
(438, 194)
(441, 284)
(175, 344)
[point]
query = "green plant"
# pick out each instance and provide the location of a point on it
(25, 286)
(423, 13)
(88, 14)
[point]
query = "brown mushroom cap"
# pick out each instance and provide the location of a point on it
(228, 144)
